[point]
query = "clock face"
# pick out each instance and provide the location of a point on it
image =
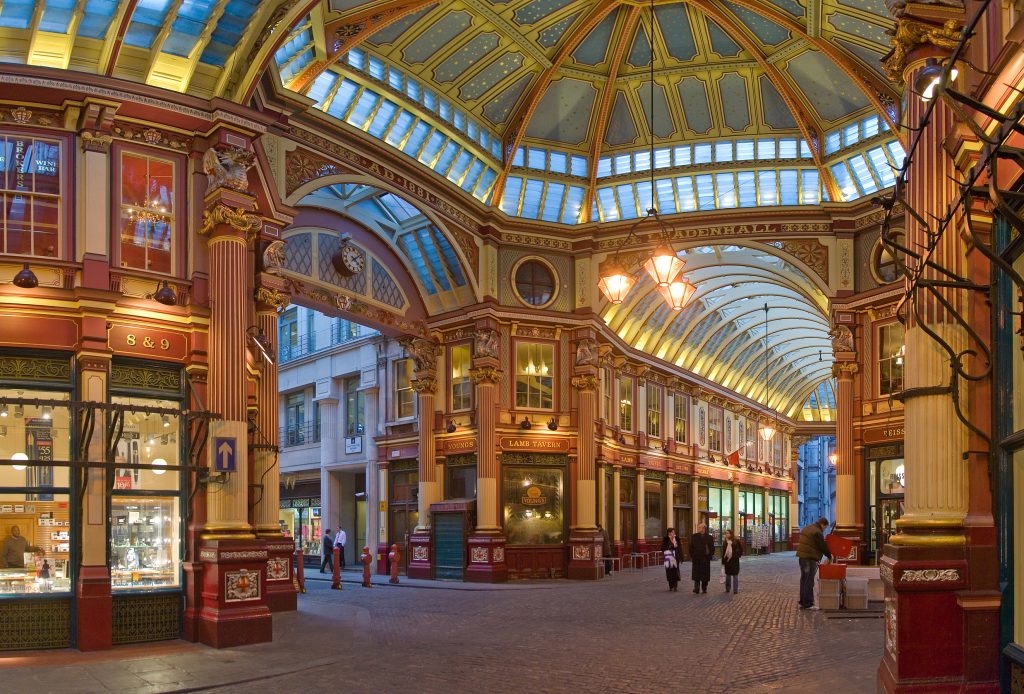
(351, 260)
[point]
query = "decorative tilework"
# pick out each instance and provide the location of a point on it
(35, 623)
(140, 618)
(241, 586)
(298, 253)
(277, 569)
(327, 246)
(385, 289)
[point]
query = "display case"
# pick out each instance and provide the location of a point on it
(144, 542)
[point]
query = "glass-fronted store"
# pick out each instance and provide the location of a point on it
(885, 480)
(714, 507)
(654, 506)
(778, 519)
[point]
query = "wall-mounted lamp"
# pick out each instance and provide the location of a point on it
(451, 427)
(26, 279)
(930, 76)
(525, 424)
(553, 424)
(3, 410)
(47, 412)
(832, 458)
(19, 456)
(165, 295)
(261, 341)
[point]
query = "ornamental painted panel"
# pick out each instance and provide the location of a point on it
(581, 552)
(277, 569)
(35, 623)
(702, 425)
(499, 554)
(420, 553)
(890, 626)
(478, 555)
(241, 586)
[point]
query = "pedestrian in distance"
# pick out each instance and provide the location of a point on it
(606, 550)
(732, 550)
(339, 542)
(672, 549)
(328, 551)
(702, 551)
(810, 550)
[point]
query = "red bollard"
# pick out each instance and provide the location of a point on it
(336, 576)
(394, 557)
(300, 572)
(366, 559)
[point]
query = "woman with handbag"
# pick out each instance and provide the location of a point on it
(732, 550)
(672, 550)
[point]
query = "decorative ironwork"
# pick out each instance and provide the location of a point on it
(548, 459)
(146, 378)
(35, 623)
(141, 618)
(34, 369)
(460, 459)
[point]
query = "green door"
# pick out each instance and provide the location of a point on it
(449, 545)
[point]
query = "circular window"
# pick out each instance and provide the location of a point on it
(535, 283)
(884, 266)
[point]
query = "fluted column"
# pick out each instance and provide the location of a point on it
(486, 376)
(266, 447)
(846, 485)
(330, 502)
(616, 497)
(669, 506)
(229, 228)
(586, 452)
(426, 389)
(641, 531)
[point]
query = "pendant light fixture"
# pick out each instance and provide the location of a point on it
(767, 430)
(663, 265)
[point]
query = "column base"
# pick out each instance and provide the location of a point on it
(234, 594)
(95, 609)
(486, 559)
(193, 600)
(282, 594)
(585, 562)
(420, 563)
(383, 567)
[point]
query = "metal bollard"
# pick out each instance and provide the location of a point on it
(366, 559)
(394, 557)
(336, 576)
(300, 572)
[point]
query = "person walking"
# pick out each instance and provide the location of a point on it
(702, 551)
(606, 550)
(672, 549)
(339, 542)
(328, 551)
(810, 550)
(732, 550)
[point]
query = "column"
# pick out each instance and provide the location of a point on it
(487, 544)
(326, 397)
(425, 354)
(583, 537)
(694, 504)
(844, 371)
(669, 506)
(616, 511)
(737, 523)
(794, 494)
(940, 568)
(640, 534)
(375, 492)
(281, 592)
(234, 591)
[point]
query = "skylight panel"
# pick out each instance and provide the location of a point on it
(535, 158)
(745, 150)
(412, 250)
(396, 79)
(519, 157)
(473, 131)
(398, 207)
(863, 174)
(681, 155)
(726, 185)
(805, 150)
(376, 68)
(723, 151)
(400, 129)
(851, 134)
(559, 161)
(666, 200)
(869, 126)
(627, 201)
(705, 192)
(460, 166)
(95, 20)
(579, 166)
(382, 119)
(881, 167)
(609, 208)
(832, 142)
(459, 119)
(766, 149)
(430, 99)
(766, 193)
(846, 185)
(746, 187)
(896, 152)
(432, 148)
(810, 186)
(642, 161)
(510, 199)
(623, 164)
(322, 86)
(357, 59)
(787, 148)
(643, 195)
(604, 167)
(412, 89)
(684, 189)
(553, 202)
(433, 257)
(789, 190)
(364, 107)
(702, 153)
(532, 198)
(416, 140)
(57, 15)
(484, 186)
(662, 157)
(573, 205)
(445, 110)
(448, 154)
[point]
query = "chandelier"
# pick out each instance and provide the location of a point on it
(152, 212)
(767, 430)
(663, 265)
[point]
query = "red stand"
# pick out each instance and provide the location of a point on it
(365, 559)
(282, 595)
(394, 557)
(95, 609)
(336, 572)
(585, 562)
(234, 597)
(419, 559)
(486, 559)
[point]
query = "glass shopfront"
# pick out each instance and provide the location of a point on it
(534, 504)
(885, 492)
(300, 517)
(778, 518)
(403, 504)
(750, 515)
(682, 503)
(627, 509)
(654, 508)
(715, 507)
(460, 476)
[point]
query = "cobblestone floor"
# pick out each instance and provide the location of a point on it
(621, 634)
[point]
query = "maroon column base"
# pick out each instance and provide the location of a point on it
(585, 562)
(383, 567)
(282, 595)
(420, 562)
(234, 595)
(486, 559)
(193, 600)
(95, 625)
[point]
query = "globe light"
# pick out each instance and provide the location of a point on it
(159, 462)
(19, 456)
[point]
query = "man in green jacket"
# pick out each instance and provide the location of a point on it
(810, 550)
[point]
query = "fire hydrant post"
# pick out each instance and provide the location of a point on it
(394, 557)
(366, 559)
(336, 575)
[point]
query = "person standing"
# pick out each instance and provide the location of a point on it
(702, 551)
(339, 542)
(606, 550)
(732, 550)
(328, 551)
(672, 549)
(12, 555)
(810, 550)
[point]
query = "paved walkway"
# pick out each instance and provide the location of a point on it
(621, 634)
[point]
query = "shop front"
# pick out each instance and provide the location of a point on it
(714, 507)
(299, 516)
(752, 530)
(403, 505)
(534, 512)
(682, 508)
(778, 519)
(885, 480)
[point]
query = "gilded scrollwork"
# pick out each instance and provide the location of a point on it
(911, 33)
(228, 167)
(586, 382)
(485, 374)
(425, 386)
(239, 220)
(424, 353)
(272, 297)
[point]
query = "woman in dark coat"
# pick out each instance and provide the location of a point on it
(732, 550)
(672, 549)
(702, 551)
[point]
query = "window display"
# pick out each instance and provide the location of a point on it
(654, 509)
(144, 542)
(533, 505)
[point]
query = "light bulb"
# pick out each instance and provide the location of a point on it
(3, 410)
(159, 462)
(166, 421)
(47, 412)
(19, 456)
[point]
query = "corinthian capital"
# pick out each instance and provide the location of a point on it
(485, 374)
(425, 386)
(239, 220)
(845, 368)
(585, 382)
(912, 33)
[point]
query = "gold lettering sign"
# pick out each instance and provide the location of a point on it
(534, 444)
(888, 433)
(464, 444)
(136, 340)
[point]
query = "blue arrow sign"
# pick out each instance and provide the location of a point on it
(224, 454)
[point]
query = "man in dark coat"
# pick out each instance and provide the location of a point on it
(328, 551)
(810, 550)
(702, 551)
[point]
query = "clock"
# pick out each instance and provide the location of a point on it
(348, 261)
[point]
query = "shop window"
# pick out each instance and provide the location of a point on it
(462, 386)
(890, 359)
(354, 423)
(30, 196)
(461, 482)
(654, 394)
(749, 434)
(535, 283)
(148, 212)
(35, 520)
(719, 511)
(288, 335)
(533, 505)
(606, 396)
(654, 509)
(891, 476)
(405, 396)
(626, 403)
(680, 406)
(535, 375)
(145, 521)
(715, 429)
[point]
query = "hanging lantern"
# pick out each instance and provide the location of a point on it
(615, 282)
(663, 266)
(767, 432)
(678, 293)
